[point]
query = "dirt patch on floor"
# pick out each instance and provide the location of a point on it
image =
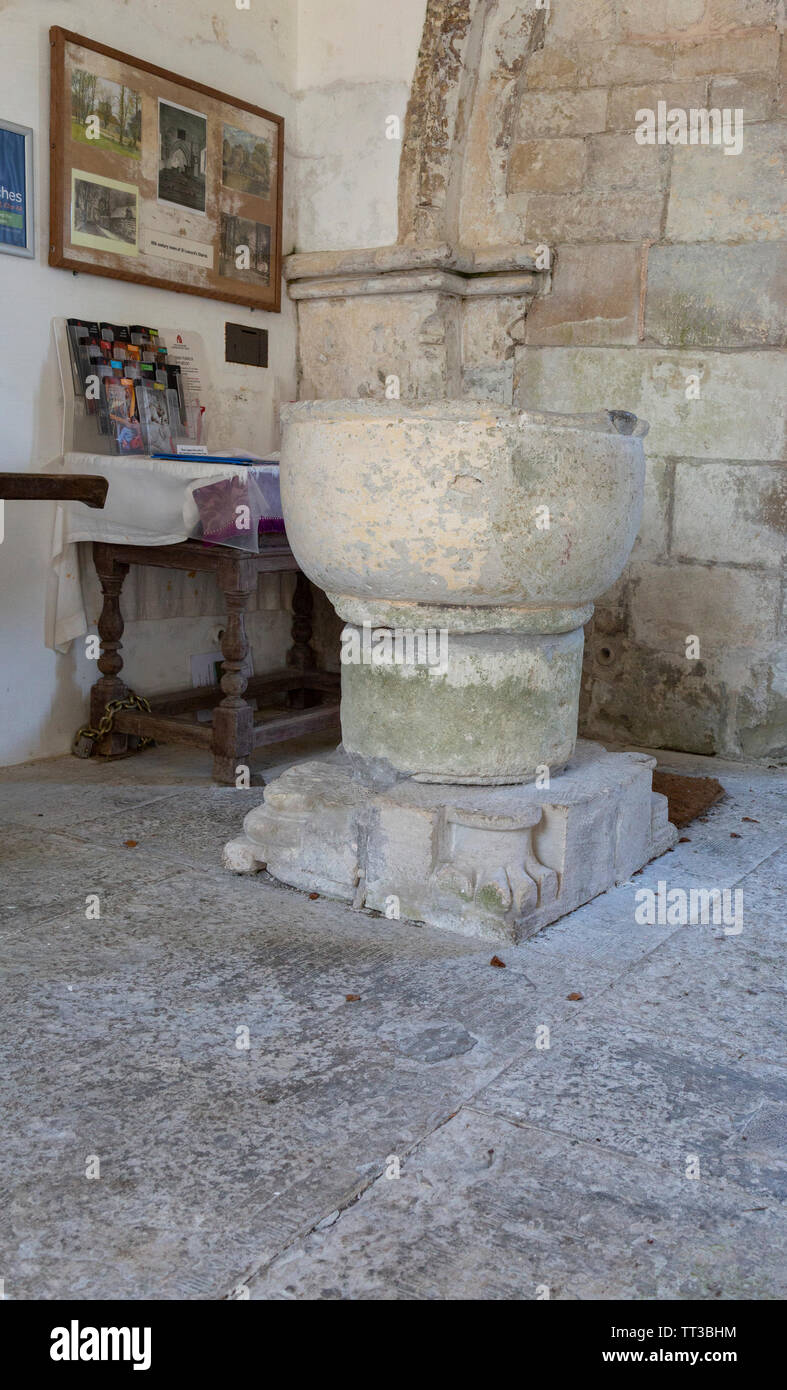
(687, 797)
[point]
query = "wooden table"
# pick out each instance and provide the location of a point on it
(313, 696)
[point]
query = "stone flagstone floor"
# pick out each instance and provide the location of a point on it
(267, 1171)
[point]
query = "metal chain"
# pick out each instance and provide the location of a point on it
(87, 736)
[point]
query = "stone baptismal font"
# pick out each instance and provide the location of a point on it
(463, 544)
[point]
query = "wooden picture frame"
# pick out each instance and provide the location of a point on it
(160, 180)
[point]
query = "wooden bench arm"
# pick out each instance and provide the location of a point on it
(46, 487)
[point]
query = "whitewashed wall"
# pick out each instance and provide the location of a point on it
(247, 53)
(335, 71)
(356, 60)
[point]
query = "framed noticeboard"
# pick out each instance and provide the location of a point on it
(161, 180)
(17, 226)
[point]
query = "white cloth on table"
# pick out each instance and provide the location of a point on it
(149, 502)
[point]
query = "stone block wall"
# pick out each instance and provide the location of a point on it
(667, 299)
(665, 296)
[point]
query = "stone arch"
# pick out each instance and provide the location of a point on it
(179, 156)
(461, 117)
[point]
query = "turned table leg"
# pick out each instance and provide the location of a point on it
(109, 686)
(233, 718)
(301, 656)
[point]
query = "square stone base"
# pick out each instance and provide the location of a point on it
(493, 862)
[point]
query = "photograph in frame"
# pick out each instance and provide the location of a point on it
(247, 162)
(183, 141)
(245, 250)
(104, 213)
(105, 115)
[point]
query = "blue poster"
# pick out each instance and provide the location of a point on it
(13, 189)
